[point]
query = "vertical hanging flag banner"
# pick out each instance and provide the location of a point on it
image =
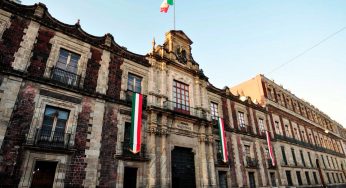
(165, 5)
(270, 148)
(136, 122)
(223, 140)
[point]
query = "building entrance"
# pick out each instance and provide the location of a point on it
(183, 168)
(130, 177)
(44, 173)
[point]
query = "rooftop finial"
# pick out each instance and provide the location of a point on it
(153, 43)
(78, 22)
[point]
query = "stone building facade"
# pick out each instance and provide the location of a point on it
(65, 113)
(309, 145)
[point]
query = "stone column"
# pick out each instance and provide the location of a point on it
(152, 151)
(211, 159)
(163, 159)
(203, 160)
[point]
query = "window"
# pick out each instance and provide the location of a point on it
(289, 178)
(68, 61)
(307, 177)
(181, 96)
(127, 132)
(287, 130)
(333, 175)
(214, 110)
(328, 162)
(283, 155)
(294, 157)
(324, 163)
(54, 124)
(241, 119)
(299, 178)
(310, 159)
(315, 177)
(267, 153)
(277, 126)
(66, 68)
(261, 125)
(302, 157)
(247, 150)
(273, 179)
(134, 83)
(329, 181)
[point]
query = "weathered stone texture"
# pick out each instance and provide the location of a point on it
(23, 54)
(225, 112)
(11, 40)
(15, 135)
(108, 172)
(92, 70)
(40, 53)
(76, 170)
(114, 79)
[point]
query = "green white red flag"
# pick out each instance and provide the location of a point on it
(165, 5)
(223, 139)
(136, 122)
(270, 148)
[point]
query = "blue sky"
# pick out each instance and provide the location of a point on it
(235, 40)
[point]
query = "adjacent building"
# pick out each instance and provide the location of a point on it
(65, 116)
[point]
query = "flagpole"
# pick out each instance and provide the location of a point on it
(174, 15)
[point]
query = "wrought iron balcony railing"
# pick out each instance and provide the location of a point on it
(129, 98)
(44, 138)
(308, 145)
(127, 154)
(270, 163)
(65, 77)
(251, 162)
(187, 110)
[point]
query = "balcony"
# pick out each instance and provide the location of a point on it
(307, 145)
(251, 162)
(186, 110)
(270, 164)
(129, 98)
(247, 129)
(64, 77)
(128, 155)
(219, 160)
(49, 139)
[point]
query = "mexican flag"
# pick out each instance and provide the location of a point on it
(136, 122)
(270, 148)
(165, 5)
(223, 140)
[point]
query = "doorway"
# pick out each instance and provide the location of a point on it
(222, 179)
(252, 180)
(43, 174)
(130, 177)
(183, 168)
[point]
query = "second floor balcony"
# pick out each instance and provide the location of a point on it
(48, 139)
(186, 110)
(270, 164)
(129, 95)
(308, 145)
(67, 78)
(251, 162)
(128, 155)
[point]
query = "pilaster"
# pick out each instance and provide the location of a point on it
(22, 56)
